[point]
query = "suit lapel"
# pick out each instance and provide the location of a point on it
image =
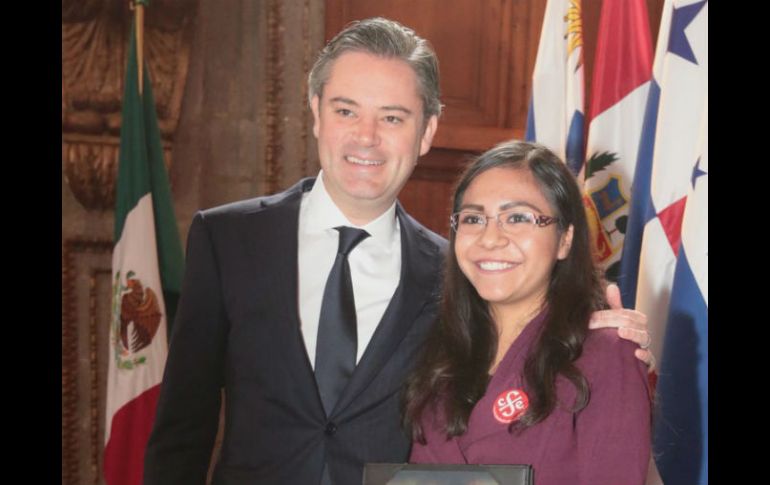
(419, 263)
(279, 258)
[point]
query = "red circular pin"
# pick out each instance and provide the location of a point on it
(510, 405)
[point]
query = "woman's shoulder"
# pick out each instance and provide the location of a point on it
(606, 340)
(603, 349)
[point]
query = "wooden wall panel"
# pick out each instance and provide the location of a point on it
(428, 201)
(485, 52)
(86, 291)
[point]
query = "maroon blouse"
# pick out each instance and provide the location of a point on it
(608, 442)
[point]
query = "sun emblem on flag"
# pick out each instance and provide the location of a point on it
(574, 19)
(136, 318)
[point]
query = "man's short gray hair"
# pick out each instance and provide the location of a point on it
(388, 39)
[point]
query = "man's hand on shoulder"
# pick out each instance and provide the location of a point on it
(631, 325)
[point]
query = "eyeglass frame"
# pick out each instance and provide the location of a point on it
(537, 220)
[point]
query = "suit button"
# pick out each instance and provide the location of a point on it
(331, 428)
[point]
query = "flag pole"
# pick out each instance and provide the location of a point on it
(139, 21)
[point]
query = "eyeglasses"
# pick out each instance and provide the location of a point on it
(511, 222)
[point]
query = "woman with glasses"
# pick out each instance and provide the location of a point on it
(512, 374)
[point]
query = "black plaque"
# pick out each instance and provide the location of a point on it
(406, 474)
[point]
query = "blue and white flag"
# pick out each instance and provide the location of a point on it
(556, 110)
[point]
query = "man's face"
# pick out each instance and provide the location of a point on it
(370, 130)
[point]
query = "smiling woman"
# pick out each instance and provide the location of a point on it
(509, 263)
(511, 374)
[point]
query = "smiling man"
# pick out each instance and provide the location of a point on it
(371, 128)
(308, 307)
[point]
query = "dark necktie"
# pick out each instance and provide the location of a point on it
(335, 357)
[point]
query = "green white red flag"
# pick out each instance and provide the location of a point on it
(147, 265)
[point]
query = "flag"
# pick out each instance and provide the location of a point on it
(680, 435)
(669, 165)
(147, 265)
(556, 108)
(621, 79)
(669, 136)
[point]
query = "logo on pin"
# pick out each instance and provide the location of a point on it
(510, 405)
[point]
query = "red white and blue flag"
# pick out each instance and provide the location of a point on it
(664, 270)
(621, 80)
(681, 430)
(556, 110)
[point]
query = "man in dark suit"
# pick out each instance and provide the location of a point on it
(251, 319)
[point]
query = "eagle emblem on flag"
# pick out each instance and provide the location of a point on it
(136, 319)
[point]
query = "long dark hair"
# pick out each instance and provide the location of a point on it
(462, 345)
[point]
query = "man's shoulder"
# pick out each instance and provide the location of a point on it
(256, 205)
(433, 239)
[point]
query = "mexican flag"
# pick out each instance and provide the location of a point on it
(147, 266)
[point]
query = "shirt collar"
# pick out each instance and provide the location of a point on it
(321, 214)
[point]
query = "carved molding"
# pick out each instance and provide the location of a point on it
(95, 37)
(69, 347)
(274, 95)
(306, 60)
(94, 405)
(91, 166)
(70, 357)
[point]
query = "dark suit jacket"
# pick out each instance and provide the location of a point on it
(237, 327)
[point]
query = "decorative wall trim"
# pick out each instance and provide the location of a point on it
(91, 165)
(93, 360)
(274, 96)
(306, 65)
(72, 248)
(94, 49)
(69, 353)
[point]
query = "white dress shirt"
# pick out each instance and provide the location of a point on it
(375, 264)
